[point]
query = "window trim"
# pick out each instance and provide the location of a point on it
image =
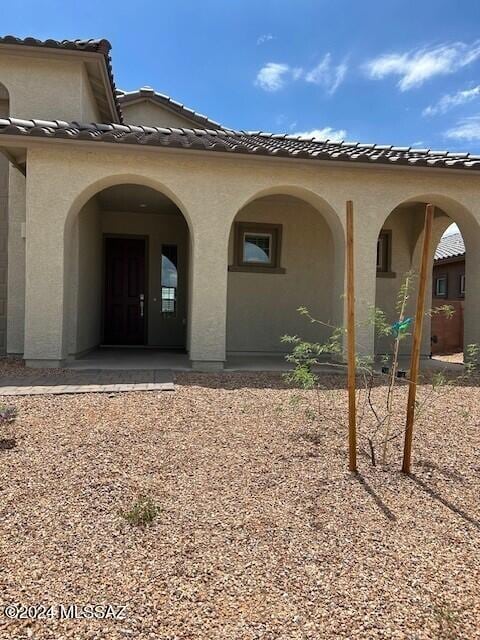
(255, 228)
(443, 276)
(385, 270)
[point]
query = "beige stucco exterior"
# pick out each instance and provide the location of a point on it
(3, 251)
(55, 277)
(44, 85)
(4, 178)
(150, 114)
(261, 308)
(210, 207)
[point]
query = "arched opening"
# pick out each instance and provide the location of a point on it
(449, 288)
(399, 250)
(285, 252)
(126, 271)
(4, 113)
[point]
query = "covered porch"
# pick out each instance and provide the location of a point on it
(254, 240)
(137, 359)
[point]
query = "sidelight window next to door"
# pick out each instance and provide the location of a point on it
(169, 279)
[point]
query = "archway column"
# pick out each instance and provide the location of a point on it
(207, 312)
(365, 262)
(46, 211)
(365, 288)
(16, 264)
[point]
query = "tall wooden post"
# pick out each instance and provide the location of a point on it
(352, 420)
(417, 338)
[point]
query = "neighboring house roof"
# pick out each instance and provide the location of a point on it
(228, 140)
(147, 93)
(451, 246)
(100, 45)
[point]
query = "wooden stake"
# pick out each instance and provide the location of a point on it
(417, 339)
(352, 420)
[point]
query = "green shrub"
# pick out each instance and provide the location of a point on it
(142, 512)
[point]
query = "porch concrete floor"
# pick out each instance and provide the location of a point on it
(118, 358)
(126, 359)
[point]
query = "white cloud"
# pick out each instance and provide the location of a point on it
(466, 129)
(416, 66)
(275, 75)
(327, 75)
(297, 73)
(272, 76)
(450, 101)
(327, 133)
(265, 37)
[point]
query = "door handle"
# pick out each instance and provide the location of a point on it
(142, 303)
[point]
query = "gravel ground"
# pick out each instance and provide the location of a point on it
(261, 531)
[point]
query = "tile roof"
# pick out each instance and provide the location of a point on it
(126, 97)
(451, 246)
(92, 45)
(229, 140)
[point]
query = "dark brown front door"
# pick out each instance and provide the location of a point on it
(125, 304)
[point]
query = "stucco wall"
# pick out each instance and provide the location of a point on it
(45, 87)
(151, 114)
(3, 251)
(401, 225)
(16, 262)
(4, 110)
(89, 291)
(263, 307)
(89, 105)
(211, 189)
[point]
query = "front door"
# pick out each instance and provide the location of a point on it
(125, 303)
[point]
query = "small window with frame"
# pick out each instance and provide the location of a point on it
(384, 252)
(462, 284)
(441, 286)
(257, 247)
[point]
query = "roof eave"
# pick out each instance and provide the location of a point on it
(23, 141)
(450, 259)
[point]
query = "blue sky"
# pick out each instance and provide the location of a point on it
(389, 71)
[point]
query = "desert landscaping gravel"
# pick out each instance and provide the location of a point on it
(261, 532)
